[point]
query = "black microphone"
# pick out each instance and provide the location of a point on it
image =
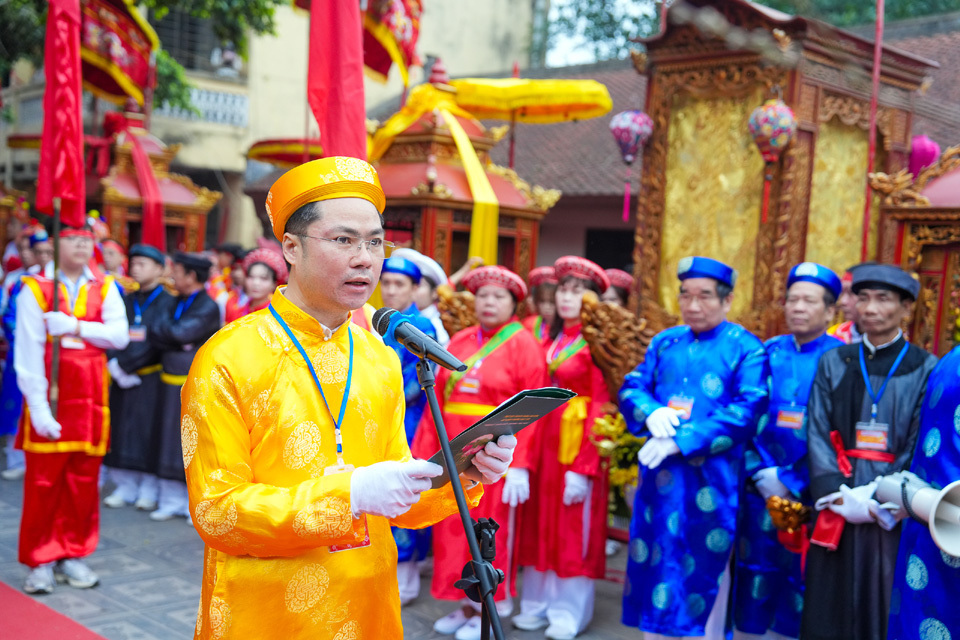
(417, 342)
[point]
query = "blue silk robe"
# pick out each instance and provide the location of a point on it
(923, 601)
(11, 400)
(684, 517)
(768, 584)
(411, 544)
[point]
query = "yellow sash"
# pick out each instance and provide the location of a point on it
(467, 409)
(172, 379)
(571, 429)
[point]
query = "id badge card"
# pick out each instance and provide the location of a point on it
(345, 468)
(470, 383)
(71, 342)
(682, 404)
(138, 333)
(791, 417)
(872, 436)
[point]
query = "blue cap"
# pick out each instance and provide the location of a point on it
(146, 251)
(885, 276)
(700, 267)
(38, 236)
(402, 266)
(817, 274)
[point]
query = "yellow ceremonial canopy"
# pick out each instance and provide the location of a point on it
(532, 101)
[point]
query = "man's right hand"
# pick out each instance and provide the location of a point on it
(663, 422)
(390, 488)
(45, 425)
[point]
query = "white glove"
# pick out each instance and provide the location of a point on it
(494, 459)
(44, 423)
(516, 487)
(855, 505)
(663, 422)
(123, 379)
(887, 515)
(575, 488)
(656, 450)
(60, 324)
(390, 488)
(768, 484)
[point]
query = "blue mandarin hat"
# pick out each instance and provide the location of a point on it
(38, 236)
(817, 274)
(700, 267)
(402, 266)
(146, 251)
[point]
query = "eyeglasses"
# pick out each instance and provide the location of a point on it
(79, 241)
(350, 244)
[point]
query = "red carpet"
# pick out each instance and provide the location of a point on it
(27, 619)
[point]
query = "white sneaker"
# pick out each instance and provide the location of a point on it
(13, 474)
(162, 514)
(145, 504)
(451, 622)
(529, 621)
(612, 547)
(115, 500)
(559, 632)
(40, 580)
(469, 631)
(75, 573)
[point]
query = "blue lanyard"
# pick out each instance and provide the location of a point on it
(183, 305)
(316, 380)
(138, 312)
(866, 379)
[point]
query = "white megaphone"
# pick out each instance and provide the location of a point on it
(939, 509)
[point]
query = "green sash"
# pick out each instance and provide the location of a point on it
(567, 352)
(505, 333)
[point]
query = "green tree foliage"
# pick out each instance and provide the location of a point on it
(846, 13)
(21, 32)
(232, 20)
(172, 85)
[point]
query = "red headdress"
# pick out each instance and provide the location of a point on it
(583, 269)
(269, 257)
(498, 277)
(619, 278)
(542, 275)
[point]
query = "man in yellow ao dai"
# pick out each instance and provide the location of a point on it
(297, 534)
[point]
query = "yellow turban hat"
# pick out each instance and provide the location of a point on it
(323, 179)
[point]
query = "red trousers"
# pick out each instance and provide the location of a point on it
(61, 507)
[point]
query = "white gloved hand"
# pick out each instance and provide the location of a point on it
(516, 487)
(44, 423)
(123, 379)
(887, 515)
(768, 484)
(656, 450)
(855, 505)
(663, 422)
(390, 488)
(494, 459)
(60, 324)
(575, 488)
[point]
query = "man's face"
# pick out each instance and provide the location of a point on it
(425, 295)
(397, 290)
(805, 309)
(702, 309)
(27, 257)
(331, 277)
(260, 283)
(183, 281)
(112, 259)
(847, 302)
(494, 306)
(75, 251)
(144, 270)
(43, 253)
(881, 311)
(224, 259)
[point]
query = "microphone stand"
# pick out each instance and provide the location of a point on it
(480, 578)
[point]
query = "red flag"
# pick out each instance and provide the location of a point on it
(61, 146)
(335, 78)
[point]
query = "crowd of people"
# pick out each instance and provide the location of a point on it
(222, 427)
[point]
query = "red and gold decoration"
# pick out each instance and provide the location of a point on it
(631, 130)
(772, 127)
(285, 153)
(117, 47)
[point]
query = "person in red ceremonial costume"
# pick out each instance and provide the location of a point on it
(114, 258)
(849, 330)
(502, 360)
(264, 269)
(565, 528)
(64, 449)
(541, 302)
(228, 255)
(618, 292)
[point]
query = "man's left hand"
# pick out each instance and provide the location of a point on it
(60, 324)
(656, 450)
(493, 460)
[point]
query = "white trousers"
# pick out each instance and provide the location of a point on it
(565, 602)
(15, 457)
(172, 498)
(714, 629)
(135, 485)
(408, 579)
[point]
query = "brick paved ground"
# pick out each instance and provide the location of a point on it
(150, 581)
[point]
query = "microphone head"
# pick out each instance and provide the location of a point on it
(381, 319)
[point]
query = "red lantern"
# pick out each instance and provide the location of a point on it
(772, 126)
(631, 130)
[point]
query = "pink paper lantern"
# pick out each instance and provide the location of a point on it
(631, 130)
(923, 153)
